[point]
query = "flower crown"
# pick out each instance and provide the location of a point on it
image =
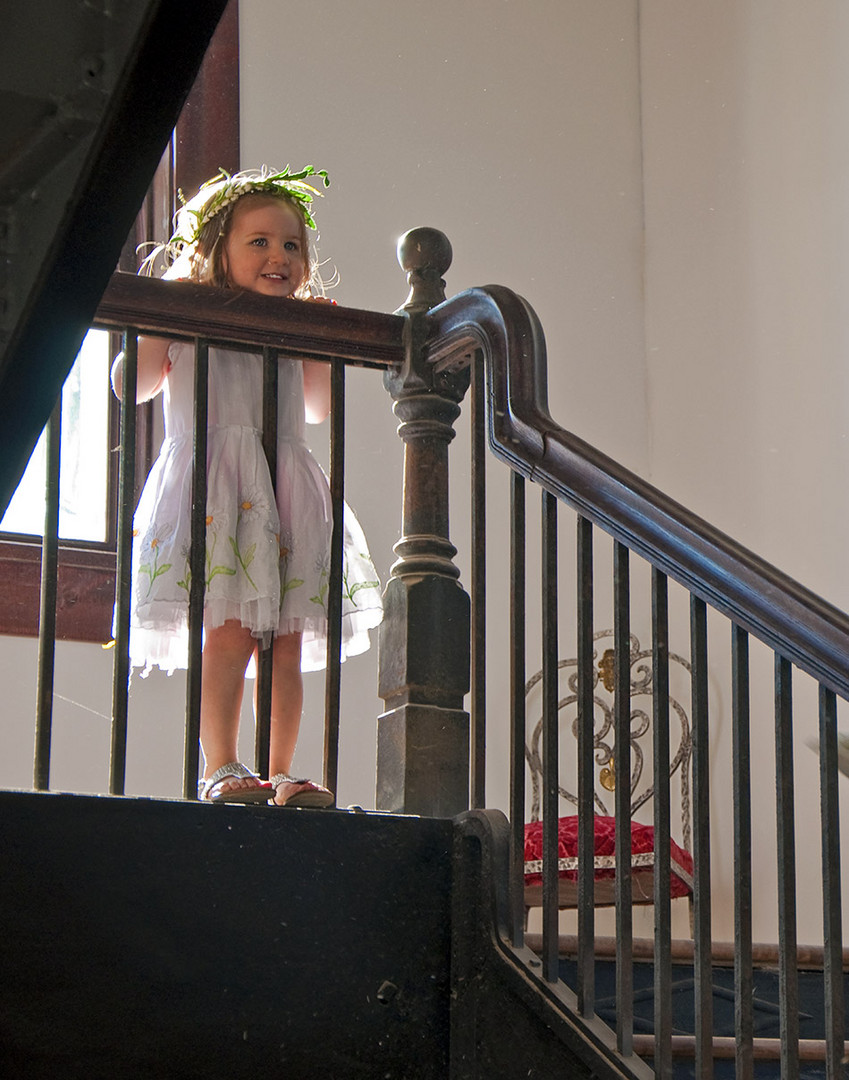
(216, 194)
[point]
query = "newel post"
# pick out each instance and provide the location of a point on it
(423, 736)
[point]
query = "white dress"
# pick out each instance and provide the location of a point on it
(267, 564)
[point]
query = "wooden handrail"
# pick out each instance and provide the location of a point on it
(317, 331)
(799, 625)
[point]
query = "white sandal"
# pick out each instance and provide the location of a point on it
(261, 791)
(314, 796)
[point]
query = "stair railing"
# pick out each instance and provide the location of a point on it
(135, 305)
(497, 334)
(424, 670)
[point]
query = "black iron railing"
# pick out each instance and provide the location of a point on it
(135, 305)
(806, 634)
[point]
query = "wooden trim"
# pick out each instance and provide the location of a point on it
(207, 134)
(86, 592)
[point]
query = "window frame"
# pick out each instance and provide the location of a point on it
(206, 138)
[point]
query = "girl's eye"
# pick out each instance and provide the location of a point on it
(292, 245)
(259, 241)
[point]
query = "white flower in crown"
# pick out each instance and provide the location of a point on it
(217, 194)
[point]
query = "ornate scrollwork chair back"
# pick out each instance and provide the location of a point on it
(642, 783)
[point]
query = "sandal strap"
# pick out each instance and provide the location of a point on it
(285, 778)
(233, 768)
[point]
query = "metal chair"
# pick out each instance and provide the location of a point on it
(642, 786)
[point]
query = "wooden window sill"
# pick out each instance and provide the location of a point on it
(85, 597)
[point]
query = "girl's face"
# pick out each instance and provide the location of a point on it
(264, 247)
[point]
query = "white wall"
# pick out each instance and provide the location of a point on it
(747, 215)
(747, 234)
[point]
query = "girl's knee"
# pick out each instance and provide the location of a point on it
(287, 651)
(230, 639)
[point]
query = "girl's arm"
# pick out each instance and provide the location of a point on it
(153, 367)
(316, 391)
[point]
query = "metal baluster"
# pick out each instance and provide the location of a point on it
(703, 964)
(622, 772)
(550, 785)
(262, 738)
(662, 873)
(334, 597)
(517, 699)
(586, 786)
(741, 782)
(788, 978)
(197, 570)
(831, 887)
(478, 659)
(123, 574)
(47, 610)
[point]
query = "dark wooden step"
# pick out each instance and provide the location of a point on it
(766, 1049)
(764, 954)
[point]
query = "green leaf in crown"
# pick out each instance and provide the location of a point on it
(223, 189)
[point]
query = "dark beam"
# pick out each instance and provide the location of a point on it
(133, 87)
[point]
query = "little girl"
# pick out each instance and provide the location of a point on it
(267, 559)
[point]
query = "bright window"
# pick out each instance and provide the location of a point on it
(84, 468)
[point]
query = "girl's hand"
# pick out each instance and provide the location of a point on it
(153, 368)
(316, 391)
(317, 380)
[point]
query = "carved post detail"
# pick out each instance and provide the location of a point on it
(423, 736)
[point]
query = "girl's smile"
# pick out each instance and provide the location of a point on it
(264, 248)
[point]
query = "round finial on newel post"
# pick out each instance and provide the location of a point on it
(425, 255)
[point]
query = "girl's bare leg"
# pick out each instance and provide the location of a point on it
(226, 652)
(287, 702)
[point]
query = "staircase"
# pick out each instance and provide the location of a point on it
(162, 939)
(157, 938)
(766, 1004)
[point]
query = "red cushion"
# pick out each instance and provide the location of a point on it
(642, 858)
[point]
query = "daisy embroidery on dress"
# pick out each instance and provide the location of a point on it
(214, 522)
(320, 598)
(349, 591)
(150, 553)
(285, 543)
(251, 507)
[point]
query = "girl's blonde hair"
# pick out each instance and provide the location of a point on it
(196, 250)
